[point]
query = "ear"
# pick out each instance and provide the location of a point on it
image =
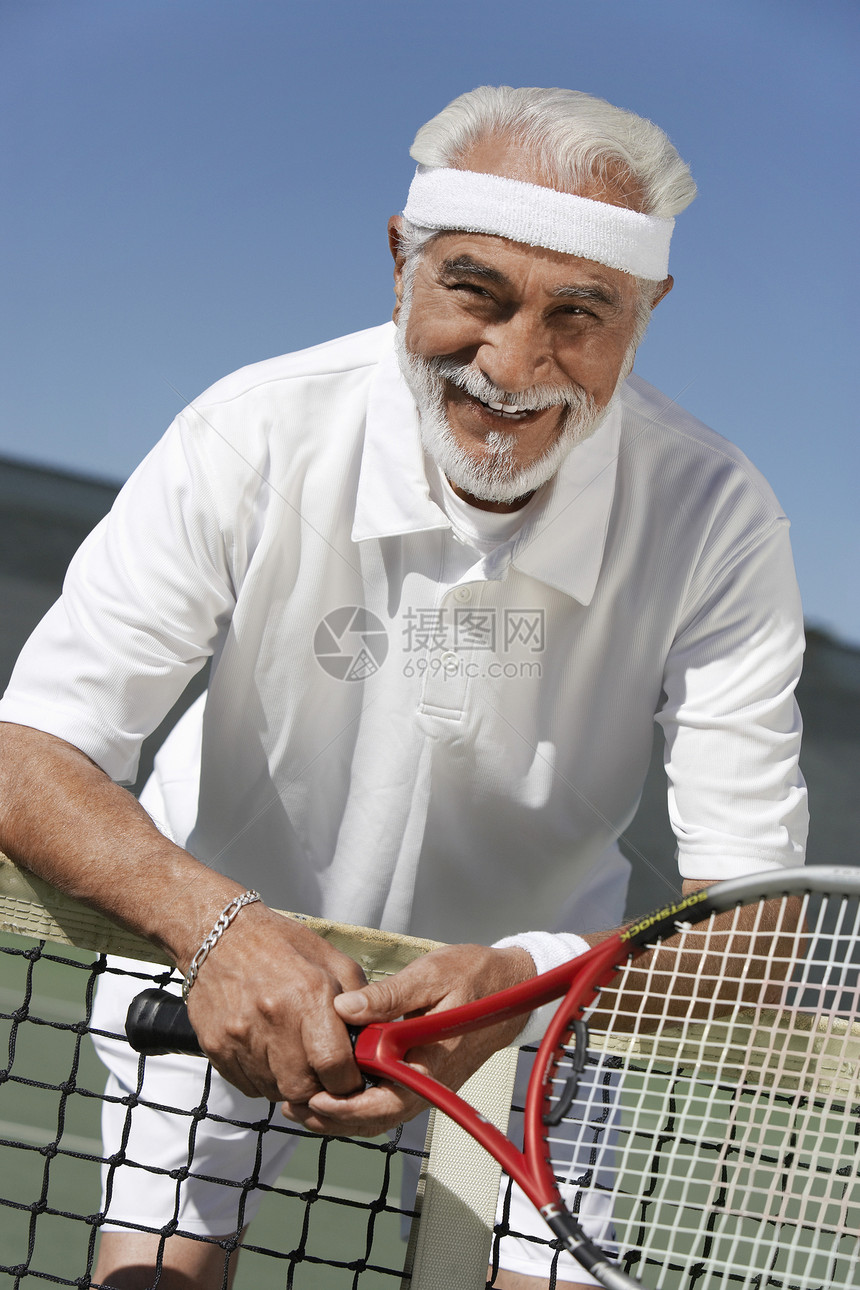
(394, 243)
(663, 290)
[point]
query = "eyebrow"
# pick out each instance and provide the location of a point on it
(600, 295)
(464, 266)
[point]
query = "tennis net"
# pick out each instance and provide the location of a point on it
(782, 1129)
(333, 1219)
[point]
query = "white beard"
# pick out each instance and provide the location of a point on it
(494, 475)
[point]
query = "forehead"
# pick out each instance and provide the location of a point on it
(523, 266)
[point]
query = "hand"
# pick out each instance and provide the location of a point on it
(440, 980)
(262, 1009)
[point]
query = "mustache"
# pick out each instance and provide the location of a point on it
(472, 381)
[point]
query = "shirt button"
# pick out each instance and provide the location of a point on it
(450, 661)
(463, 593)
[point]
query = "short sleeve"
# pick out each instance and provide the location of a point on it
(143, 603)
(737, 801)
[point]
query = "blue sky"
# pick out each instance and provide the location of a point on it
(191, 185)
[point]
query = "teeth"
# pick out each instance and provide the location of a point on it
(510, 409)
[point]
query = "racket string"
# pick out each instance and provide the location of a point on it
(728, 1153)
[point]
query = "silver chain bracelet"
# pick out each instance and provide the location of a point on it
(222, 922)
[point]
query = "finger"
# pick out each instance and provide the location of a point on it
(234, 1075)
(329, 1054)
(261, 1059)
(286, 1061)
(409, 990)
(274, 1070)
(376, 1110)
(351, 976)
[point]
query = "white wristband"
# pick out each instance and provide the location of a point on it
(548, 950)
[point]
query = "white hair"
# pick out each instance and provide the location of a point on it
(575, 138)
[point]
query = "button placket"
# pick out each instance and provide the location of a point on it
(449, 671)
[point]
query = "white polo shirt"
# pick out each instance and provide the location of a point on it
(400, 731)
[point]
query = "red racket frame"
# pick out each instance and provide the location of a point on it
(381, 1050)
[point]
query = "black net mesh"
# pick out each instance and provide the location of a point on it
(333, 1219)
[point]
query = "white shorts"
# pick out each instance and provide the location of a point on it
(160, 1136)
(167, 1161)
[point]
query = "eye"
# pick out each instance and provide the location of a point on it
(470, 288)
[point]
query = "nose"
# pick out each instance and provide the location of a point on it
(516, 354)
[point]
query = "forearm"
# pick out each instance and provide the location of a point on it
(63, 819)
(262, 1003)
(718, 964)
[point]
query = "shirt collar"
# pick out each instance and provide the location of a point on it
(562, 545)
(393, 494)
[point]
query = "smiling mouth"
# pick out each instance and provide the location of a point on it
(508, 411)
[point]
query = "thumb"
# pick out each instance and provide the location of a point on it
(379, 1001)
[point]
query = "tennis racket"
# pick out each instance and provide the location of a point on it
(695, 1099)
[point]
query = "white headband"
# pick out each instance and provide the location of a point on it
(442, 198)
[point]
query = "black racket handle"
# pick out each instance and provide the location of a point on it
(157, 1023)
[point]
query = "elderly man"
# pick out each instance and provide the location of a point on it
(448, 574)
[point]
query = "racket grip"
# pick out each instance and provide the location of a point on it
(157, 1023)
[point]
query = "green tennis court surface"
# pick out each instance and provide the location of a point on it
(745, 1208)
(347, 1220)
